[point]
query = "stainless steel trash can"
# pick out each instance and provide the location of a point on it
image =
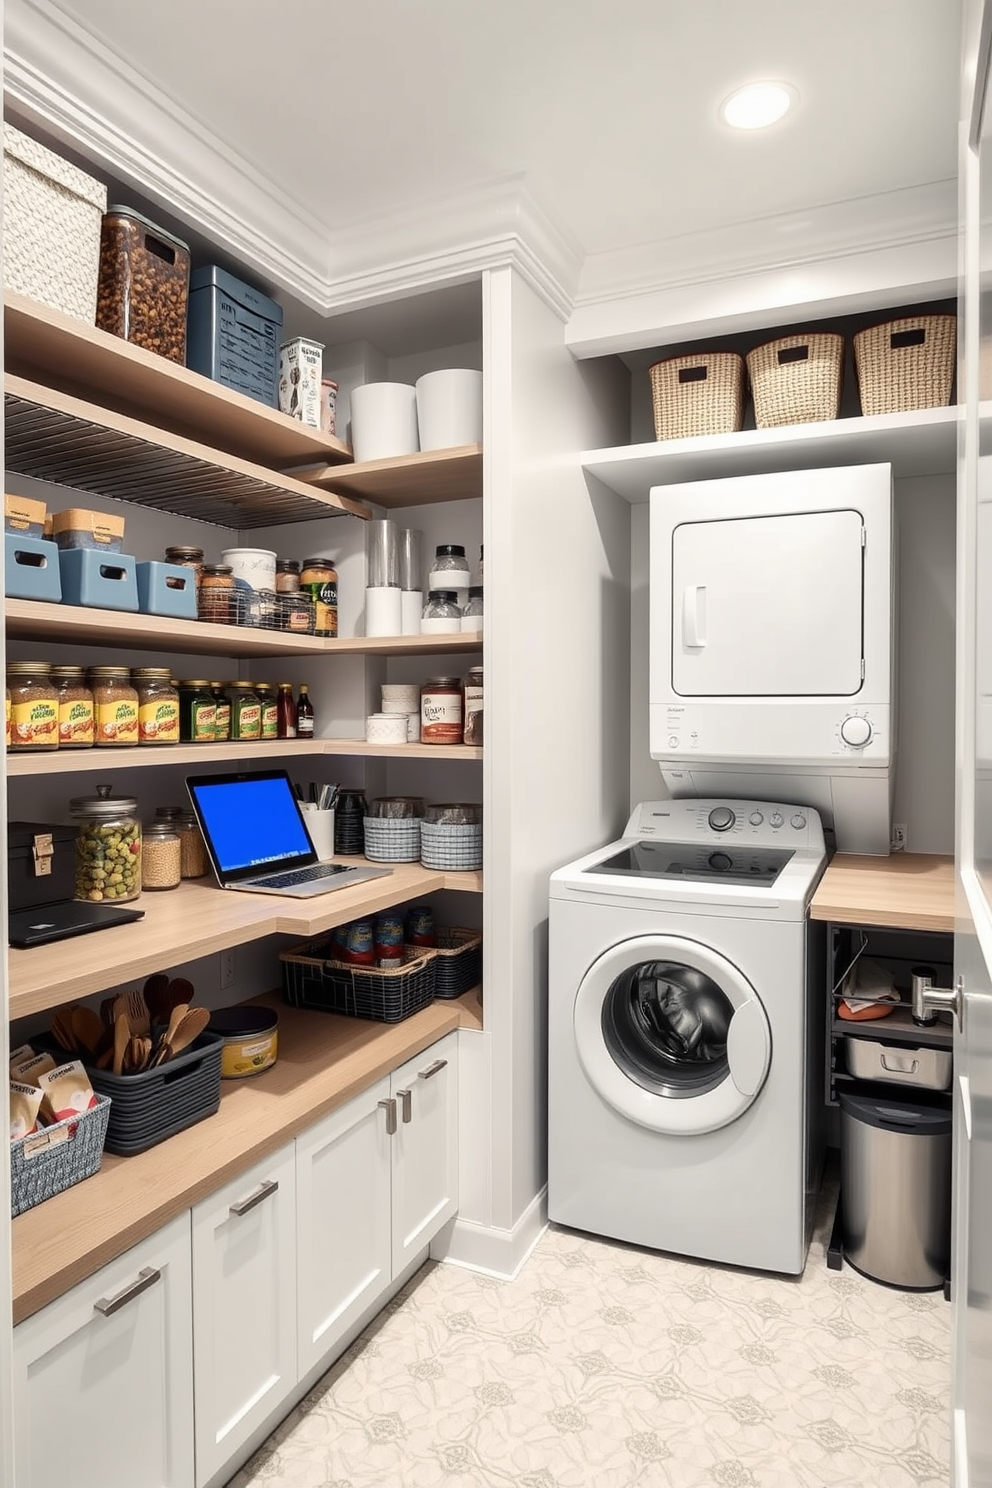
(895, 1186)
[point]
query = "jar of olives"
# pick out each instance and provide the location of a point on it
(108, 847)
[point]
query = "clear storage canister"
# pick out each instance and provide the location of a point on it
(186, 557)
(215, 597)
(442, 615)
(161, 856)
(472, 613)
(449, 569)
(108, 847)
(143, 287)
(194, 862)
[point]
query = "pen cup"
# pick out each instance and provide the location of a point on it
(320, 825)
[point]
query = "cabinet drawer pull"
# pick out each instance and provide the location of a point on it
(405, 1099)
(263, 1191)
(147, 1277)
(432, 1070)
(389, 1106)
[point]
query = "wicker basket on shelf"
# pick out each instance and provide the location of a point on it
(796, 379)
(907, 363)
(700, 394)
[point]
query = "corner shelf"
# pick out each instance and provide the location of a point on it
(205, 756)
(407, 480)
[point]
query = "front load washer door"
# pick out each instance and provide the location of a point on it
(671, 1034)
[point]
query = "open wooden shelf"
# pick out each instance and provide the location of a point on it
(906, 891)
(407, 480)
(47, 347)
(206, 756)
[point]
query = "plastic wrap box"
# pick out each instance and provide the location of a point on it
(233, 334)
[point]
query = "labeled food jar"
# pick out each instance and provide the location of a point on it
(144, 283)
(449, 569)
(34, 706)
(251, 1040)
(270, 709)
(287, 576)
(319, 580)
(108, 847)
(222, 718)
(246, 711)
(186, 557)
(441, 711)
(193, 860)
(419, 926)
(471, 620)
(215, 596)
(115, 705)
(161, 856)
(158, 705)
(197, 712)
(442, 615)
(254, 567)
(77, 725)
(388, 939)
(472, 699)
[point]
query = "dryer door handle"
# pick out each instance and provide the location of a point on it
(694, 615)
(749, 1047)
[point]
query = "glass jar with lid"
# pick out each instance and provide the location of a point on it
(270, 709)
(194, 862)
(197, 712)
(472, 705)
(449, 569)
(441, 711)
(442, 614)
(215, 595)
(158, 705)
(34, 706)
(287, 576)
(186, 557)
(471, 620)
(161, 856)
(222, 718)
(319, 580)
(246, 711)
(77, 727)
(108, 847)
(115, 705)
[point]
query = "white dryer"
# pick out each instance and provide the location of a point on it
(686, 1034)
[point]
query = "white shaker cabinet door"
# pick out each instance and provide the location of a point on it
(244, 1307)
(425, 1147)
(103, 1377)
(343, 1207)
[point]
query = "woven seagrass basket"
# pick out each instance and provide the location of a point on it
(701, 394)
(796, 379)
(907, 363)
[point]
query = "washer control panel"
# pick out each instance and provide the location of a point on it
(756, 823)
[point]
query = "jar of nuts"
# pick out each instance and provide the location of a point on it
(108, 847)
(144, 284)
(161, 856)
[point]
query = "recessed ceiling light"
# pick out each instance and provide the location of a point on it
(757, 105)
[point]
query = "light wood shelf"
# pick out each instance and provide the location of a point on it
(406, 480)
(45, 346)
(198, 919)
(206, 756)
(324, 1061)
(906, 891)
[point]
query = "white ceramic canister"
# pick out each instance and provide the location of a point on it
(386, 728)
(449, 408)
(400, 697)
(383, 420)
(255, 567)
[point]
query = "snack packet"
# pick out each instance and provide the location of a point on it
(30, 1070)
(16, 1055)
(24, 1103)
(66, 1091)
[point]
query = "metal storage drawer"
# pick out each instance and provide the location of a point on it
(870, 1059)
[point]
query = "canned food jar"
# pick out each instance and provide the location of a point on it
(319, 580)
(246, 711)
(419, 926)
(187, 557)
(215, 595)
(115, 705)
(270, 709)
(161, 856)
(77, 724)
(108, 847)
(143, 287)
(441, 711)
(360, 945)
(388, 940)
(449, 569)
(158, 705)
(197, 712)
(441, 614)
(34, 706)
(287, 576)
(251, 1040)
(472, 696)
(222, 718)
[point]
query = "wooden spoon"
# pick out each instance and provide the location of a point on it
(122, 1035)
(190, 1028)
(154, 990)
(175, 1018)
(137, 1012)
(62, 1030)
(87, 1030)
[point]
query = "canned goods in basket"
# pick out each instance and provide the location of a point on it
(360, 945)
(388, 940)
(420, 926)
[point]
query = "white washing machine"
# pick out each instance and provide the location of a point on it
(686, 1033)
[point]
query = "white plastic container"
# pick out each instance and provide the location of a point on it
(400, 697)
(386, 728)
(384, 420)
(383, 612)
(300, 366)
(449, 408)
(255, 567)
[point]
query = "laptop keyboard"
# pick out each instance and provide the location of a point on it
(303, 875)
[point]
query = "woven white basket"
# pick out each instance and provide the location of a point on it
(453, 848)
(52, 214)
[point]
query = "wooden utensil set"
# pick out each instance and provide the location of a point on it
(136, 1030)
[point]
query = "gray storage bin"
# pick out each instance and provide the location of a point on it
(872, 1059)
(233, 334)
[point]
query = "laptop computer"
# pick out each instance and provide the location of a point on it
(257, 838)
(63, 919)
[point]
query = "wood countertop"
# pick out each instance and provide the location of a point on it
(906, 891)
(324, 1060)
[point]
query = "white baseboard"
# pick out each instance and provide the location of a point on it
(496, 1252)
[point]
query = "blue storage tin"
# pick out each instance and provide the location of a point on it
(104, 580)
(166, 589)
(31, 568)
(233, 334)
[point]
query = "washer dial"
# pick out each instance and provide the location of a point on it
(721, 818)
(855, 731)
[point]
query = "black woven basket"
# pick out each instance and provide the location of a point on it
(458, 962)
(157, 1103)
(312, 979)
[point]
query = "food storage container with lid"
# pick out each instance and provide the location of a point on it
(319, 581)
(144, 283)
(450, 568)
(215, 597)
(234, 334)
(108, 847)
(115, 705)
(441, 711)
(34, 706)
(158, 705)
(198, 712)
(251, 1040)
(442, 613)
(77, 726)
(471, 620)
(161, 856)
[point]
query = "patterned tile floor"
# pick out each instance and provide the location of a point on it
(603, 1366)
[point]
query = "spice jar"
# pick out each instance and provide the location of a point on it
(270, 709)
(108, 847)
(186, 557)
(222, 718)
(295, 613)
(449, 569)
(194, 862)
(34, 705)
(441, 711)
(197, 713)
(77, 726)
(161, 856)
(287, 576)
(441, 613)
(115, 702)
(319, 580)
(472, 699)
(158, 705)
(471, 620)
(246, 711)
(215, 595)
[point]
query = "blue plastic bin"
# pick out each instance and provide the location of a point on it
(31, 568)
(233, 334)
(166, 589)
(104, 580)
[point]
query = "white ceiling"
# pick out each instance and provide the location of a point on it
(607, 112)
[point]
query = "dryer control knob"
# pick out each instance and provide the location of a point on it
(721, 861)
(721, 818)
(776, 819)
(798, 821)
(855, 731)
(756, 818)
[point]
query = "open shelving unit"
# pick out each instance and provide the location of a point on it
(406, 480)
(143, 757)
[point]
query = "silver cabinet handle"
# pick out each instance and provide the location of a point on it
(432, 1070)
(263, 1191)
(405, 1098)
(147, 1277)
(389, 1106)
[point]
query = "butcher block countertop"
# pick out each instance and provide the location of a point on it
(906, 891)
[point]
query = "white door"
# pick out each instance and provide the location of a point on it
(103, 1377)
(244, 1307)
(671, 1034)
(769, 606)
(344, 1252)
(425, 1147)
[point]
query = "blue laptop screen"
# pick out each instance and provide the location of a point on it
(251, 823)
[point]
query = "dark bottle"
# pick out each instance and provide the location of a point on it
(286, 711)
(304, 714)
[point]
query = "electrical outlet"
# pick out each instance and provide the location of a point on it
(899, 835)
(227, 969)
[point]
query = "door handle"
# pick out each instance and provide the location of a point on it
(389, 1106)
(929, 1000)
(694, 615)
(147, 1277)
(405, 1098)
(263, 1191)
(432, 1070)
